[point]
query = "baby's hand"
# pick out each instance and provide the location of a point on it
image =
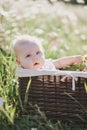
(78, 59)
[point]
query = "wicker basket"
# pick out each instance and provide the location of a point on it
(55, 97)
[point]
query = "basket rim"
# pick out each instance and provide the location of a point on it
(21, 72)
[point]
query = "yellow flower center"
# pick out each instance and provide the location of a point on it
(86, 57)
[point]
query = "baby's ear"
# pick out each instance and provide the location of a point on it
(17, 60)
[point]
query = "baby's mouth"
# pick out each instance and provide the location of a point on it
(36, 64)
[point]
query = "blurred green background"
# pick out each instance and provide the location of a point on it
(61, 27)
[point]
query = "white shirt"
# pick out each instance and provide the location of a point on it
(49, 65)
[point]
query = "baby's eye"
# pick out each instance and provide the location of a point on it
(37, 52)
(28, 55)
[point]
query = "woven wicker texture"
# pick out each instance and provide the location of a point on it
(54, 97)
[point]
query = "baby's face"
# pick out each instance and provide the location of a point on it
(31, 56)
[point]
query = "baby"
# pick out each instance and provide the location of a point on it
(30, 55)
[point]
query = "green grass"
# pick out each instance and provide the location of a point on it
(62, 30)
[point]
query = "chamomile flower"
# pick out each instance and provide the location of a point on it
(85, 60)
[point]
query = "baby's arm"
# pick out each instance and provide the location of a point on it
(66, 61)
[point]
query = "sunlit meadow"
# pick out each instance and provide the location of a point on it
(62, 29)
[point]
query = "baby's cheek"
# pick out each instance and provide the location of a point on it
(26, 63)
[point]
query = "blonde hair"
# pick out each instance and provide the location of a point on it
(23, 39)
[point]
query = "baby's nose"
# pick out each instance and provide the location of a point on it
(35, 57)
